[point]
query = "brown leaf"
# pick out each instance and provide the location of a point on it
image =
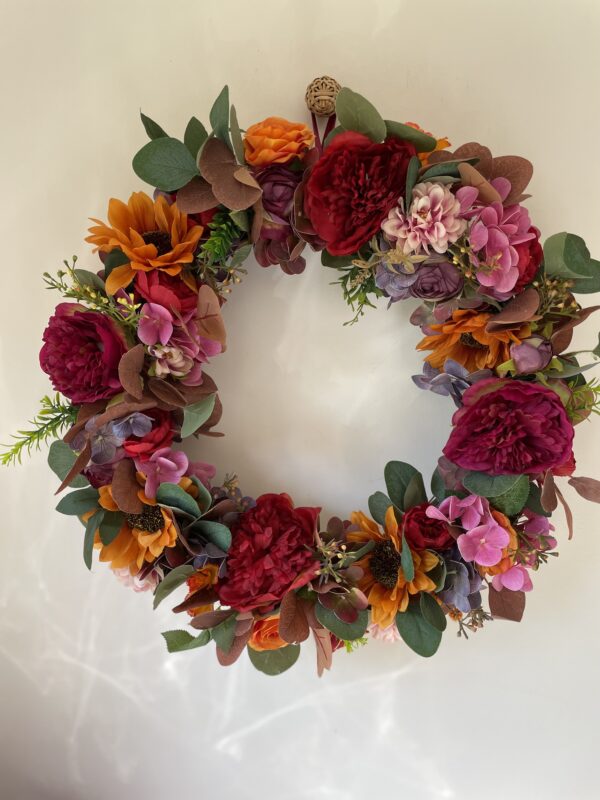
(194, 394)
(506, 604)
(237, 648)
(211, 618)
(166, 392)
(210, 322)
(231, 184)
(324, 650)
(257, 221)
(472, 177)
(196, 196)
(200, 598)
(217, 413)
(588, 488)
(216, 159)
(548, 498)
(221, 508)
(122, 409)
(474, 150)
(567, 510)
(235, 193)
(85, 413)
(519, 310)
(125, 488)
(561, 338)
(81, 462)
(515, 169)
(293, 625)
(130, 369)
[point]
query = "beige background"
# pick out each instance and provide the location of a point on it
(92, 706)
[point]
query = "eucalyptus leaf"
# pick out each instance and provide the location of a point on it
(219, 116)
(447, 169)
(172, 581)
(332, 134)
(116, 258)
(110, 526)
(438, 487)
(152, 128)
(489, 485)
(406, 560)
(78, 502)
(195, 416)
(422, 141)
(91, 526)
(348, 631)
(224, 633)
(178, 641)
(236, 136)
(87, 278)
(241, 220)
(417, 632)
(355, 113)
(431, 611)
(513, 501)
(534, 501)
(165, 163)
(214, 532)
(194, 137)
(414, 165)
(415, 493)
(438, 575)
(60, 460)
(398, 475)
(274, 662)
(173, 496)
(566, 256)
(204, 498)
(240, 255)
(337, 262)
(378, 506)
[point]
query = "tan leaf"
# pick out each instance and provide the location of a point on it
(125, 488)
(519, 310)
(211, 618)
(506, 604)
(166, 392)
(210, 322)
(324, 650)
(515, 169)
(196, 196)
(293, 625)
(588, 488)
(567, 510)
(475, 150)
(237, 648)
(472, 177)
(548, 498)
(130, 369)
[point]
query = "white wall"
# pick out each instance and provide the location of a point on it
(92, 705)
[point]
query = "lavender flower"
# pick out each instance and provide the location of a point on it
(462, 584)
(453, 381)
(107, 440)
(434, 279)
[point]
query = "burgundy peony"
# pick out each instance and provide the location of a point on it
(161, 435)
(278, 184)
(423, 532)
(352, 188)
(530, 258)
(271, 550)
(510, 427)
(81, 353)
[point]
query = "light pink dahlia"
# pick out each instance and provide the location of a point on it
(433, 221)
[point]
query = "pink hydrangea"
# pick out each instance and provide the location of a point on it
(433, 222)
(484, 544)
(470, 511)
(155, 324)
(515, 579)
(163, 466)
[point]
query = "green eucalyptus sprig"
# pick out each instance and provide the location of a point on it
(48, 423)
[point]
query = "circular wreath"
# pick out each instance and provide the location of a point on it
(396, 214)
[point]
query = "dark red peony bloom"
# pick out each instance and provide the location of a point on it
(566, 469)
(81, 353)
(271, 550)
(424, 533)
(530, 258)
(353, 186)
(510, 427)
(167, 291)
(161, 435)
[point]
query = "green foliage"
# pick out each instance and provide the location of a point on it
(489, 485)
(61, 459)
(359, 290)
(116, 258)
(152, 128)
(165, 163)
(274, 662)
(566, 256)
(398, 476)
(91, 526)
(178, 641)
(415, 493)
(48, 423)
(534, 501)
(513, 500)
(419, 634)
(78, 502)
(414, 165)
(438, 487)
(355, 113)
(171, 582)
(196, 415)
(343, 630)
(173, 496)
(110, 526)
(431, 611)
(422, 141)
(378, 505)
(194, 137)
(448, 169)
(219, 116)
(224, 633)
(214, 532)
(406, 559)
(236, 137)
(223, 234)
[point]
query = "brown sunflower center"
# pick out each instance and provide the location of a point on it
(470, 341)
(385, 564)
(151, 519)
(160, 240)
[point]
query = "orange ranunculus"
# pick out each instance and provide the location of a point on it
(203, 578)
(464, 339)
(508, 554)
(265, 635)
(276, 141)
(151, 233)
(142, 537)
(383, 581)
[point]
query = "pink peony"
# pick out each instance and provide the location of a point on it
(81, 353)
(433, 220)
(510, 427)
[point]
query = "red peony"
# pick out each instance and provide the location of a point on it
(530, 258)
(167, 291)
(81, 353)
(566, 469)
(510, 427)
(271, 550)
(161, 435)
(352, 188)
(423, 532)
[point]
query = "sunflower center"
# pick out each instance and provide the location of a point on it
(150, 520)
(160, 240)
(470, 341)
(385, 564)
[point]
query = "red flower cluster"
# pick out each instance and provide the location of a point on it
(160, 436)
(352, 188)
(530, 258)
(423, 532)
(271, 551)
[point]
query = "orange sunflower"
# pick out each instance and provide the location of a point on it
(387, 590)
(151, 234)
(142, 537)
(464, 339)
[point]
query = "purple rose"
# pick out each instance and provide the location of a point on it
(439, 280)
(531, 355)
(278, 185)
(278, 244)
(81, 353)
(510, 427)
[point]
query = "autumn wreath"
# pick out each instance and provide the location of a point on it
(396, 214)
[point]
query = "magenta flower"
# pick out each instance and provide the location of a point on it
(483, 544)
(155, 325)
(184, 354)
(163, 466)
(471, 511)
(516, 579)
(204, 472)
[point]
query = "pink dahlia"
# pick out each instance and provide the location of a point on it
(81, 353)
(510, 427)
(433, 221)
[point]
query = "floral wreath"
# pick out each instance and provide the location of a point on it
(396, 214)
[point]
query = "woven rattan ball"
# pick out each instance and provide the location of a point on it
(321, 94)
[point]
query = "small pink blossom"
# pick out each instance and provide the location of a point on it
(163, 466)
(483, 544)
(433, 221)
(389, 634)
(155, 325)
(149, 583)
(470, 511)
(204, 472)
(516, 579)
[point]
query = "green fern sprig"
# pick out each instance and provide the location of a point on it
(223, 234)
(50, 420)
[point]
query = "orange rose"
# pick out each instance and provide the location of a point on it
(265, 635)
(276, 141)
